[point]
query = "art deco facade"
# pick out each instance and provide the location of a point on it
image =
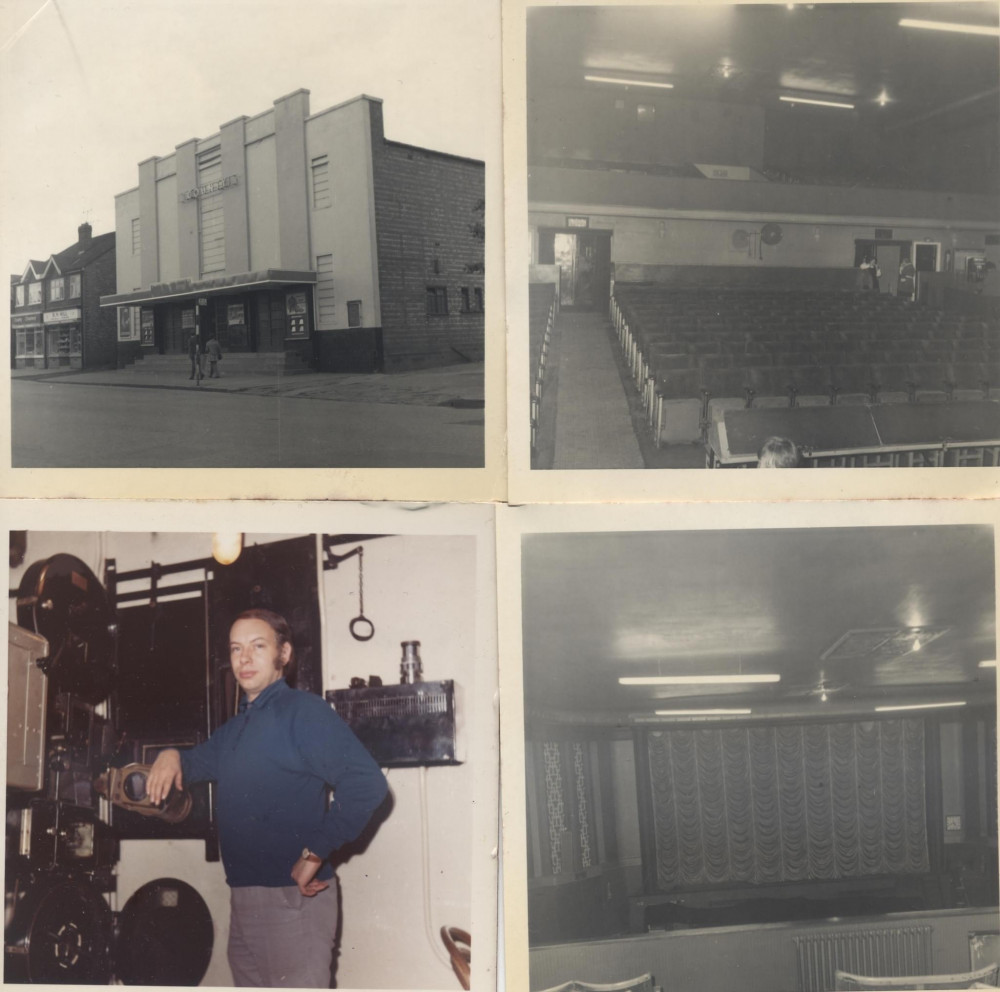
(308, 235)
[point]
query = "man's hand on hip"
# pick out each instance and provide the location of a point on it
(304, 876)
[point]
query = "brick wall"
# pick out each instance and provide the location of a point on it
(99, 325)
(429, 212)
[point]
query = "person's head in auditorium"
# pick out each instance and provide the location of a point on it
(779, 452)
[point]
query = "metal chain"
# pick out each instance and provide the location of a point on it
(361, 580)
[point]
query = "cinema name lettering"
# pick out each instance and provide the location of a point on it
(216, 187)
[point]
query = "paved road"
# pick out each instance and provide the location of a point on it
(64, 425)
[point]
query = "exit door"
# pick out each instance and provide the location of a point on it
(584, 260)
(888, 262)
(925, 259)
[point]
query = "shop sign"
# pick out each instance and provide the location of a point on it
(147, 326)
(217, 186)
(26, 320)
(61, 316)
(234, 315)
(187, 319)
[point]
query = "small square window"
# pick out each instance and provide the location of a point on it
(437, 301)
(354, 313)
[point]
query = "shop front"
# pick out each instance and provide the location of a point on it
(63, 338)
(29, 341)
(48, 340)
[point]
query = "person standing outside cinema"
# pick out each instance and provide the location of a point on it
(214, 351)
(195, 353)
(274, 763)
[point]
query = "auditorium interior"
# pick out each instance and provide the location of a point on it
(755, 758)
(704, 186)
(121, 648)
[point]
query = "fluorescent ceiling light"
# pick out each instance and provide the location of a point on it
(988, 664)
(695, 679)
(629, 82)
(817, 103)
(703, 712)
(913, 22)
(917, 706)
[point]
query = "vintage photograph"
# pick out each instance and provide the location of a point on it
(244, 245)
(252, 759)
(749, 222)
(756, 752)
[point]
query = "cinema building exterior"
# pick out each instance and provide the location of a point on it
(307, 239)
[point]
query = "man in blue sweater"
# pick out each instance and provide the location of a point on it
(273, 765)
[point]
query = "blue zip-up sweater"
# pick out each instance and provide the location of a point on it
(273, 763)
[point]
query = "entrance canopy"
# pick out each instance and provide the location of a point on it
(181, 289)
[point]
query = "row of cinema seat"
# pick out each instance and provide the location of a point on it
(542, 309)
(695, 355)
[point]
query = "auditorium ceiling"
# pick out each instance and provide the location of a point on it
(863, 616)
(754, 53)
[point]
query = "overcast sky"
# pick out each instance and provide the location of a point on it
(89, 88)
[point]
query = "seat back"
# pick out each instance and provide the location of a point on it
(963, 980)
(641, 983)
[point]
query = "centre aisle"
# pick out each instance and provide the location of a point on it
(593, 425)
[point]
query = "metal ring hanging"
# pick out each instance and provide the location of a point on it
(361, 621)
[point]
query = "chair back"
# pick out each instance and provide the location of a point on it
(459, 945)
(642, 983)
(963, 980)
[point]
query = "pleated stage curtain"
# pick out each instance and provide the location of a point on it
(788, 803)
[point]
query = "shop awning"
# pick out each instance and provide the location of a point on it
(182, 289)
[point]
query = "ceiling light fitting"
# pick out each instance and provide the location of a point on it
(988, 664)
(226, 547)
(703, 712)
(981, 29)
(817, 103)
(696, 679)
(629, 82)
(917, 706)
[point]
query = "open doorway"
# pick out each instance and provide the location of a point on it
(888, 254)
(584, 260)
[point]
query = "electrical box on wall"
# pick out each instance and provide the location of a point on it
(27, 698)
(404, 725)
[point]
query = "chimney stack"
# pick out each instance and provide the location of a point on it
(84, 231)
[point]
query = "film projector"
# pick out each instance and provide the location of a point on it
(61, 853)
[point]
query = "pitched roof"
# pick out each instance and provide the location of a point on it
(78, 256)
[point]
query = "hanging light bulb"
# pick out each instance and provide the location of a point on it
(226, 548)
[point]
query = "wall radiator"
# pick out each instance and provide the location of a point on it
(877, 951)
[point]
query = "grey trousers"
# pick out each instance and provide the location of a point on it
(279, 938)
